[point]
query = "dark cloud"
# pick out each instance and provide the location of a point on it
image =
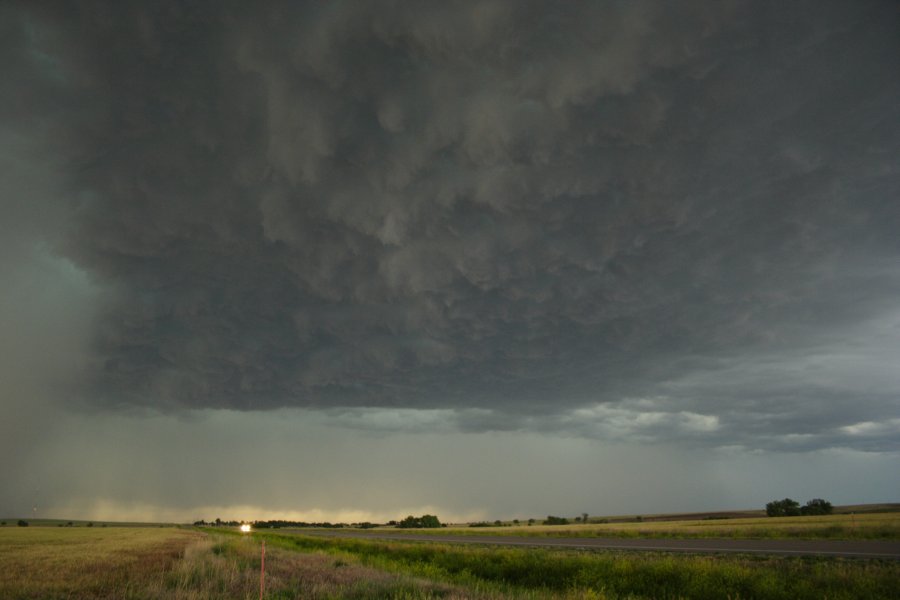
(615, 219)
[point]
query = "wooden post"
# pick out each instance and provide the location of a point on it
(262, 571)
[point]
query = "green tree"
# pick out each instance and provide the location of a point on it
(817, 506)
(22, 523)
(551, 520)
(425, 521)
(430, 521)
(783, 508)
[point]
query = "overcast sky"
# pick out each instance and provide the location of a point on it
(355, 260)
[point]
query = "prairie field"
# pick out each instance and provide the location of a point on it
(217, 563)
(147, 563)
(554, 573)
(870, 526)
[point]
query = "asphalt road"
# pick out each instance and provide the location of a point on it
(842, 548)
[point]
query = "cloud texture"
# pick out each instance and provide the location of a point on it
(632, 220)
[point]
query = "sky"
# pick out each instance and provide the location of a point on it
(351, 261)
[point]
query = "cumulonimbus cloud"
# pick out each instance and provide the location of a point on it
(508, 206)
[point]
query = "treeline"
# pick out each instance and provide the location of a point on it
(792, 508)
(410, 522)
(278, 524)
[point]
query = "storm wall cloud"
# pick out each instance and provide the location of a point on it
(664, 223)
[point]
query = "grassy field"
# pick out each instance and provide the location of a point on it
(551, 573)
(874, 526)
(144, 563)
(189, 564)
(50, 562)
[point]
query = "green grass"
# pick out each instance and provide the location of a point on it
(540, 572)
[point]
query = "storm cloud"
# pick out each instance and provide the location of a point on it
(621, 221)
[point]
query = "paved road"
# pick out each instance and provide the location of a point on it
(844, 548)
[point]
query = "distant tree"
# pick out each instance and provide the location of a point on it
(551, 520)
(430, 521)
(425, 521)
(531, 521)
(817, 506)
(69, 524)
(22, 523)
(90, 524)
(639, 519)
(584, 517)
(515, 521)
(2, 523)
(783, 508)
(498, 523)
(578, 519)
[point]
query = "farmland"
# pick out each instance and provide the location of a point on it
(212, 563)
(874, 526)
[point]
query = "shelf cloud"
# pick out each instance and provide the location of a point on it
(642, 220)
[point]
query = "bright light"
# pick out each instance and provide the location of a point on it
(245, 528)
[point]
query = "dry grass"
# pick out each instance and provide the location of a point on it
(132, 563)
(223, 566)
(85, 563)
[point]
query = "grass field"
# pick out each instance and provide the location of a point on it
(190, 564)
(875, 526)
(144, 563)
(546, 573)
(50, 562)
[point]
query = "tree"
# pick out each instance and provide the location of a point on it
(584, 517)
(817, 506)
(783, 508)
(22, 523)
(551, 520)
(425, 521)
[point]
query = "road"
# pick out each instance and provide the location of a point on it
(790, 547)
